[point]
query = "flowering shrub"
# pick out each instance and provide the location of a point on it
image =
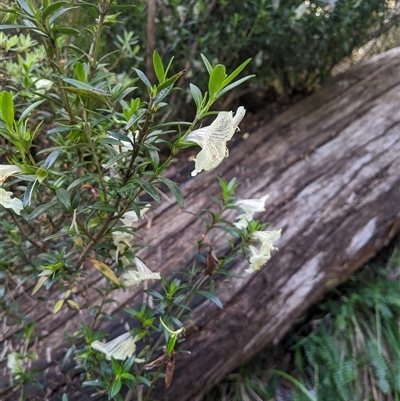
(81, 159)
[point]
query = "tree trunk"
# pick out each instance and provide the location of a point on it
(331, 167)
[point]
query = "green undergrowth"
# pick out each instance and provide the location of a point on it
(347, 349)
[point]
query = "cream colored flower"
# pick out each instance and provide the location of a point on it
(10, 203)
(212, 139)
(142, 273)
(249, 207)
(122, 241)
(122, 347)
(43, 85)
(267, 238)
(6, 170)
(257, 259)
(129, 218)
(15, 363)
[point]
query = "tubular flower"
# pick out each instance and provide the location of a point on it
(122, 347)
(212, 139)
(267, 238)
(135, 277)
(122, 242)
(5, 196)
(129, 218)
(249, 207)
(258, 259)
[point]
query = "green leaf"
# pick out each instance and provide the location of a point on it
(158, 67)
(115, 387)
(51, 158)
(30, 108)
(143, 78)
(30, 191)
(148, 188)
(234, 85)
(88, 93)
(63, 197)
(175, 190)
(207, 64)
(104, 269)
(80, 181)
(82, 85)
(211, 297)
(27, 8)
(165, 92)
(235, 73)
(116, 158)
(170, 81)
(216, 80)
(63, 30)
(80, 71)
(40, 210)
(53, 7)
(58, 305)
(196, 94)
(135, 118)
(7, 109)
(59, 13)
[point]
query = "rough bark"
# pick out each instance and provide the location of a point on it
(331, 166)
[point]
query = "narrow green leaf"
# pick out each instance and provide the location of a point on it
(175, 190)
(165, 92)
(216, 80)
(58, 305)
(234, 85)
(115, 387)
(135, 118)
(143, 78)
(80, 180)
(104, 269)
(211, 297)
(207, 64)
(59, 13)
(30, 191)
(158, 67)
(7, 109)
(88, 93)
(27, 8)
(30, 108)
(235, 73)
(170, 81)
(53, 7)
(196, 94)
(80, 71)
(148, 188)
(115, 159)
(63, 197)
(63, 30)
(40, 210)
(51, 158)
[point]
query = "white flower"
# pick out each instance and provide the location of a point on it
(43, 85)
(129, 218)
(212, 139)
(258, 259)
(267, 238)
(122, 347)
(7, 170)
(142, 273)
(9, 203)
(249, 207)
(15, 363)
(121, 241)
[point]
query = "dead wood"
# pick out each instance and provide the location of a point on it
(331, 167)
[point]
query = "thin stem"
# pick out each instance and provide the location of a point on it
(35, 243)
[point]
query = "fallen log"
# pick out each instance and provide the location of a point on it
(331, 167)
